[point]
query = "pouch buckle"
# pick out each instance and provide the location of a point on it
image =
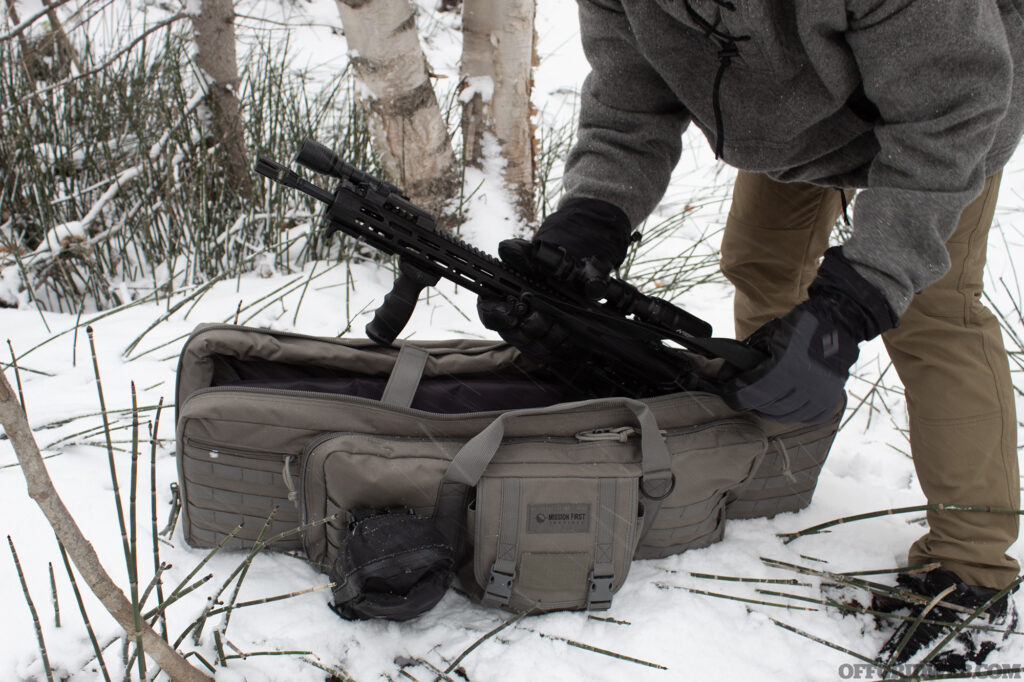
(599, 592)
(499, 587)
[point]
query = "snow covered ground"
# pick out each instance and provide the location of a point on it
(659, 630)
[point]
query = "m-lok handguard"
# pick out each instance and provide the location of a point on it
(622, 331)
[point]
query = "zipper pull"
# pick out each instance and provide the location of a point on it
(618, 433)
(286, 474)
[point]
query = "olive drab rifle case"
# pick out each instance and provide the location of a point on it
(550, 497)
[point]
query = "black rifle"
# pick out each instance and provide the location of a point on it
(621, 332)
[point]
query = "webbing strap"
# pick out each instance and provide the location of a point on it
(599, 589)
(503, 572)
(450, 514)
(472, 459)
(405, 376)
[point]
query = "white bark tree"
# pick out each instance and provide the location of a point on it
(405, 119)
(498, 56)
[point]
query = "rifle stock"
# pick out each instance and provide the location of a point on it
(622, 335)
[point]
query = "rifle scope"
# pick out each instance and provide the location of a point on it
(322, 159)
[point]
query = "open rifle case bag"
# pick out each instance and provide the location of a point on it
(549, 497)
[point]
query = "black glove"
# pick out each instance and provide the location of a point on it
(810, 349)
(535, 334)
(588, 228)
(587, 232)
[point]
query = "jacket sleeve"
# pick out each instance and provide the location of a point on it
(940, 74)
(630, 123)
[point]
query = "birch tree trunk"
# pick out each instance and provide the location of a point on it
(409, 133)
(214, 29)
(498, 55)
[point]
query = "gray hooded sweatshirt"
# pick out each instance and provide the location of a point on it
(915, 102)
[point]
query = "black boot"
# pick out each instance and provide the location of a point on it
(913, 641)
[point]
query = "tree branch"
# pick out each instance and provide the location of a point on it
(100, 67)
(82, 553)
(21, 26)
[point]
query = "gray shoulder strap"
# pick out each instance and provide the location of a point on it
(472, 459)
(405, 376)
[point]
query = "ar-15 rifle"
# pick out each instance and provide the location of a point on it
(621, 331)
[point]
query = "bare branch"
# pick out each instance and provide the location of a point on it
(98, 68)
(46, 252)
(82, 553)
(60, 35)
(22, 26)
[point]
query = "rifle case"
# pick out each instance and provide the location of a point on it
(313, 432)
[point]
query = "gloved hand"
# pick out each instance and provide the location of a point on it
(809, 351)
(588, 228)
(583, 231)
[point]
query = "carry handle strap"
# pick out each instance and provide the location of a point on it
(405, 376)
(472, 459)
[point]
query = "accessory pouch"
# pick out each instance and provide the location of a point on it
(556, 521)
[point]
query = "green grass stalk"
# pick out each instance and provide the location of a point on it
(789, 537)
(491, 633)
(133, 570)
(53, 596)
(267, 600)
(85, 616)
(17, 377)
(154, 535)
(241, 577)
(32, 610)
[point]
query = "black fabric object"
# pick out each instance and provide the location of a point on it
(863, 309)
(391, 565)
(911, 642)
(588, 228)
(445, 395)
(809, 351)
(540, 338)
(582, 241)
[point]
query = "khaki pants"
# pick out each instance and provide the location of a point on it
(947, 349)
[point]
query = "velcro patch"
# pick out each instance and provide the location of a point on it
(558, 518)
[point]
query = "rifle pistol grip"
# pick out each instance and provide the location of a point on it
(392, 316)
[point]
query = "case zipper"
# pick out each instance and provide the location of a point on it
(623, 433)
(339, 397)
(215, 449)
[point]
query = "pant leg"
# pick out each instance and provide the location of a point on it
(774, 236)
(948, 351)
